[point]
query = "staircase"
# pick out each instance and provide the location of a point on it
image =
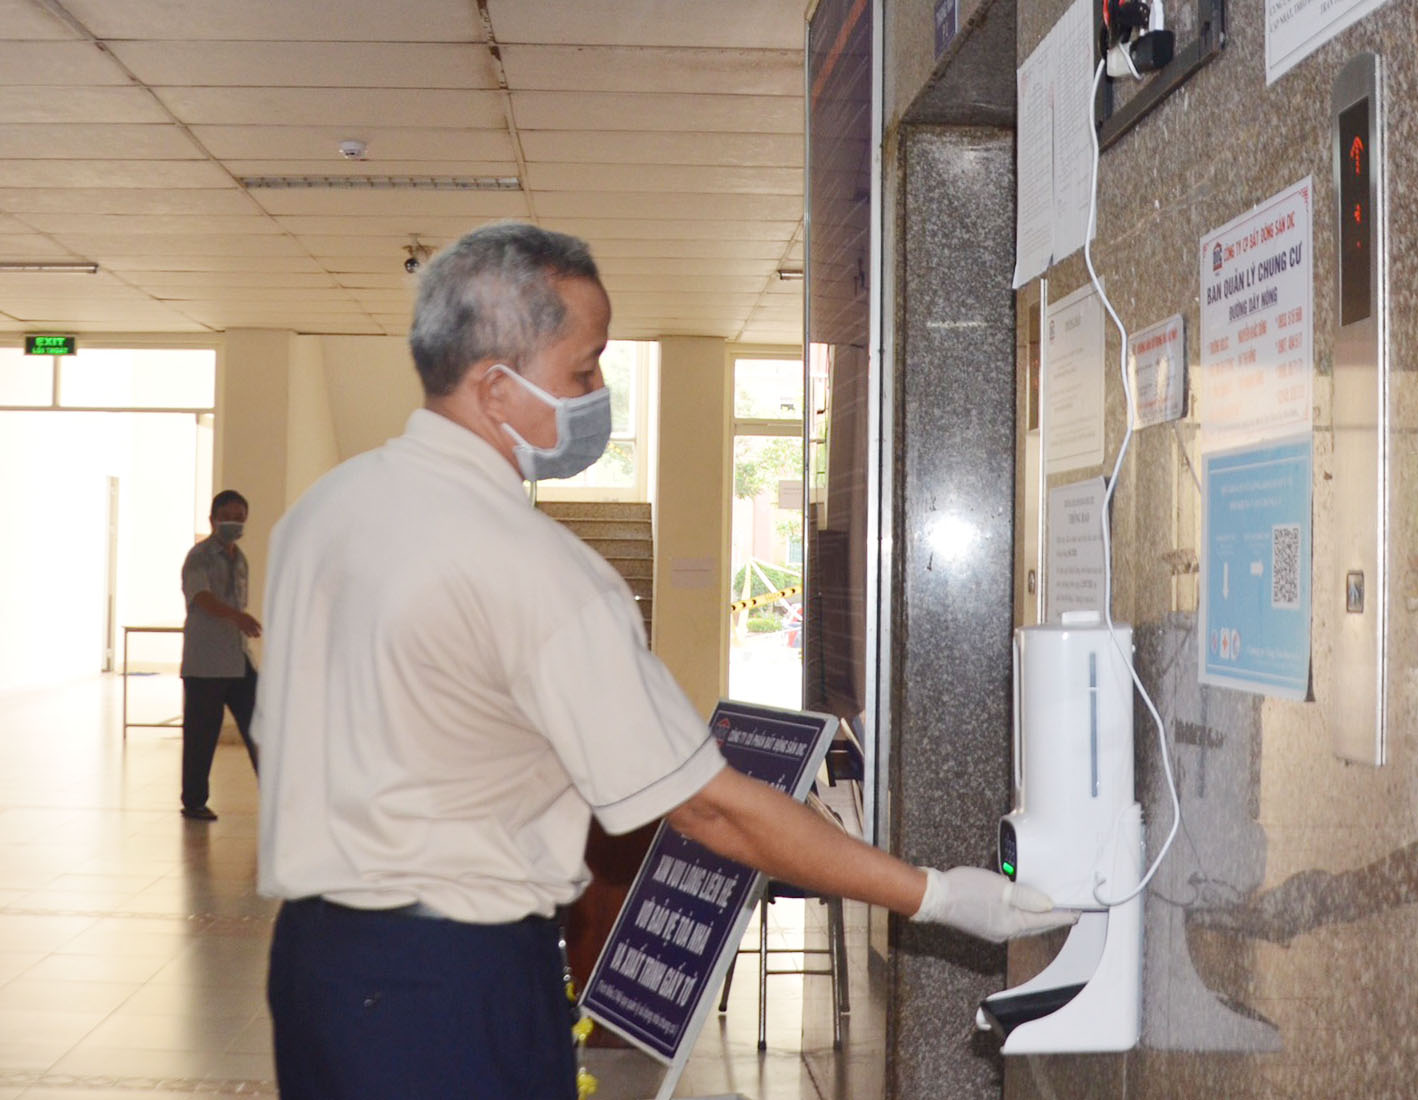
(621, 533)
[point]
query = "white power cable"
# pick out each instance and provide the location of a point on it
(1107, 542)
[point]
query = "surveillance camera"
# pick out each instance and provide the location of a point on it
(418, 254)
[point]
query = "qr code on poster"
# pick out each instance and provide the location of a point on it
(1285, 566)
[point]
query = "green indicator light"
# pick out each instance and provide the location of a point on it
(1008, 868)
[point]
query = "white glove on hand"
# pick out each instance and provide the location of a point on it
(988, 905)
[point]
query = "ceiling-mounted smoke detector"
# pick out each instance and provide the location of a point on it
(354, 149)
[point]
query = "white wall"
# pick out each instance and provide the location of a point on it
(692, 515)
(372, 386)
(311, 446)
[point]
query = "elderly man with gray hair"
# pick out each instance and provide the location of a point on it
(455, 684)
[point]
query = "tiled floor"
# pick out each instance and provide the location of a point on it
(133, 944)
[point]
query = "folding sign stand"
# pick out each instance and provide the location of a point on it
(658, 975)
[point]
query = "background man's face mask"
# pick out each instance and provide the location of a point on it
(230, 530)
(583, 428)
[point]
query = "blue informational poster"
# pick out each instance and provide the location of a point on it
(662, 965)
(1254, 621)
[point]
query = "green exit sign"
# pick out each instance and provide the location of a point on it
(51, 345)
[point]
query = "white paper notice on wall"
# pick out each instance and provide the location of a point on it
(1073, 116)
(1157, 368)
(1074, 578)
(1034, 166)
(1294, 29)
(1073, 383)
(1257, 323)
(1054, 152)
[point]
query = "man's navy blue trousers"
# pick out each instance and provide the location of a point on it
(372, 1005)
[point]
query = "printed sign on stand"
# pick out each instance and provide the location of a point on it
(659, 974)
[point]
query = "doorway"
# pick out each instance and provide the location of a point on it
(766, 531)
(108, 460)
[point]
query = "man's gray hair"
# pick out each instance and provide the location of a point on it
(492, 296)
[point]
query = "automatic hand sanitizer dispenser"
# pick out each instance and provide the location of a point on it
(1075, 833)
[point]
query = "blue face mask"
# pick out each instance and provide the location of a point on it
(583, 428)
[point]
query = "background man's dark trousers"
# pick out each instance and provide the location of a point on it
(203, 700)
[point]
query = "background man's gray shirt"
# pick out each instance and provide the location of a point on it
(213, 646)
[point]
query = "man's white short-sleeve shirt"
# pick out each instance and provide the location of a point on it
(452, 684)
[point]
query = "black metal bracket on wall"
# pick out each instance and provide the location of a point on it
(1114, 121)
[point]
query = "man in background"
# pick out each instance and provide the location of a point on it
(217, 673)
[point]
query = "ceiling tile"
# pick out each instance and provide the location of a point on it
(671, 247)
(673, 144)
(129, 200)
(630, 204)
(656, 70)
(161, 174)
(146, 225)
(161, 283)
(365, 280)
(281, 20)
(749, 114)
(598, 146)
(126, 263)
(776, 24)
(335, 106)
(55, 63)
(313, 143)
(158, 320)
(381, 247)
(22, 246)
(608, 229)
(414, 205)
(355, 169)
(619, 266)
(320, 298)
(93, 142)
(583, 178)
(24, 19)
(433, 229)
(63, 286)
(731, 304)
(99, 245)
(28, 103)
(694, 284)
(309, 64)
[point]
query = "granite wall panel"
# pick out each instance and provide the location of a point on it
(954, 479)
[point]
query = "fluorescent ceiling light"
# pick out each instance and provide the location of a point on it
(383, 183)
(47, 267)
(789, 274)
